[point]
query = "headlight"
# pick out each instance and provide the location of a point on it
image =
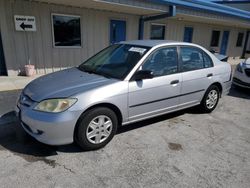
(55, 105)
(239, 68)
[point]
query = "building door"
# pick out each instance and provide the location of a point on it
(224, 42)
(117, 31)
(248, 43)
(2, 61)
(246, 48)
(188, 34)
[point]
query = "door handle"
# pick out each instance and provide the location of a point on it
(174, 82)
(210, 75)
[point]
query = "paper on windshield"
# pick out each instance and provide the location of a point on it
(137, 49)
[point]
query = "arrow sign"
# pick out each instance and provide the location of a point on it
(25, 23)
(23, 26)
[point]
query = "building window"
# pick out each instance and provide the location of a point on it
(188, 34)
(157, 32)
(215, 38)
(66, 30)
(240, 39)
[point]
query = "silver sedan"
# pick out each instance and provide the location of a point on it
(124, 83)
(242, 74)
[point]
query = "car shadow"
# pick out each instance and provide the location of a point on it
(239, 92)
(8, 118)
(14, 139)
(151, 121)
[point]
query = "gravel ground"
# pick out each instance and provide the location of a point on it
(183, 149)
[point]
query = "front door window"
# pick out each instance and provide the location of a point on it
(162, 62)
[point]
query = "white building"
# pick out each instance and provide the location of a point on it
(56, 34)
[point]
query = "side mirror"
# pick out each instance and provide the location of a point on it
(143, 74)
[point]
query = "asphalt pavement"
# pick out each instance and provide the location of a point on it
(183, 149)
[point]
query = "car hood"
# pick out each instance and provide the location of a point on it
(64, 83)
(247, 66)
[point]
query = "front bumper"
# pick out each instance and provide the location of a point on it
(240, 83)
(48, 128)
(241, 79)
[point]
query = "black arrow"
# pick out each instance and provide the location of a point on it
(24, 26)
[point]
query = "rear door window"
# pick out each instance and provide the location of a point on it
(193, 59)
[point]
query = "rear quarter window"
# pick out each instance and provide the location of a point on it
(207, 61)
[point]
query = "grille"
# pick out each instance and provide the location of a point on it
(247, 71)
(25, 100)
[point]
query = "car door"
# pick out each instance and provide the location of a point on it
(197, 73)
(150, 97)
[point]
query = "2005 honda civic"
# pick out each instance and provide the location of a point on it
(124, 83)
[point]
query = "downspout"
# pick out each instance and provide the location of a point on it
(245, 45)
(171, 13)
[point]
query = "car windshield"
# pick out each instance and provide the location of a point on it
(116, 61)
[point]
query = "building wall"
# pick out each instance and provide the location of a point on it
(39, 45)
(140, 3)
(201, 35)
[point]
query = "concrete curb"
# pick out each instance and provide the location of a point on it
(8, 83)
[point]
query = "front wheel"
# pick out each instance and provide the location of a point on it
(210, 99)
(96, 128)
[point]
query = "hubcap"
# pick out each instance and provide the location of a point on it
(212, 99)
(99, 129)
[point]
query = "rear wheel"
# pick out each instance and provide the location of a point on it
(210, 99)
(96, 128)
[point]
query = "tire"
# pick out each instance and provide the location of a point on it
(206, 106)
(96, 128)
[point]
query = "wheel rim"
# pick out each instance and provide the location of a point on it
(212, 99)
(99, 129)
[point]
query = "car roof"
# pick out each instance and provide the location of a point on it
(152, 43)
(156, 43)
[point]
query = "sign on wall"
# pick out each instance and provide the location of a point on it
(25, 23)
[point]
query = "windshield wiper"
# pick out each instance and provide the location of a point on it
(104, 75)
(86, 69)
(92, 71)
